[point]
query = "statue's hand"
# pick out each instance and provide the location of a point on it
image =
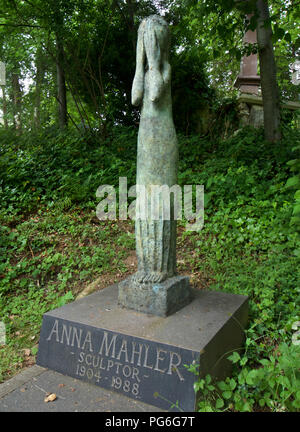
(154, 57)
(156, 84)
(137, 90)
(153, 50)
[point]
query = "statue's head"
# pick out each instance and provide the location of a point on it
(152, 55)
(155, 33)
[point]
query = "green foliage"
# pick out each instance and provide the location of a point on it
(273, 385)
(248, 247)
(99, 43)
(294, 184)
(219, 27)
(190, 83)
(99, 40)
(45, 260)
(49, 246)
(55, 169)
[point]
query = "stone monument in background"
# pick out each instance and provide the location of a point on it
(248, 80)
(248, 83)
(250, 101)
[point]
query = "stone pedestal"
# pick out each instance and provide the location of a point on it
(256, 117)
(248, 83)
(161, 299)
(140, 355)
(251, 109)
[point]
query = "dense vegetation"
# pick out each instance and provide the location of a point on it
(52, 245)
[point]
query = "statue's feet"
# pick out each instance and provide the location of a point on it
(162, 276)
(152, 277)
(139, 277)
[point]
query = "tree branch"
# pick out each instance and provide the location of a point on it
(21, 25)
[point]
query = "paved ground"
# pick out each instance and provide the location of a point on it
(26, 393)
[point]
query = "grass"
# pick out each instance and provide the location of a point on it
(51, 257)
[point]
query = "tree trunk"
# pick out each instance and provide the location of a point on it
(270, 92)
(17, 98)
(131, 26)
(40, 70)
(4, 107)
(61, 85)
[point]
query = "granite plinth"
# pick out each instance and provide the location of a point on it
(140, 355)
(161, 299)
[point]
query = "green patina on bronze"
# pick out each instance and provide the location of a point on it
(157, 162)
(157, 156)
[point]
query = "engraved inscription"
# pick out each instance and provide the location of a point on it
(116, 361)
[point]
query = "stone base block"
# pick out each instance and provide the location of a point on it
(160, 299)
(144, 356)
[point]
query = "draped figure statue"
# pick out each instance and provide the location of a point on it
(157, 152)
(155, 288)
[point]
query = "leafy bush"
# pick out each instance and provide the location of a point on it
(294, 183)
(250, 248)
(274, 384)
(61, 169)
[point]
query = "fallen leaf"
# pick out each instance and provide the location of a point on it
(50, 398)
(61, 385)
(27, 352)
